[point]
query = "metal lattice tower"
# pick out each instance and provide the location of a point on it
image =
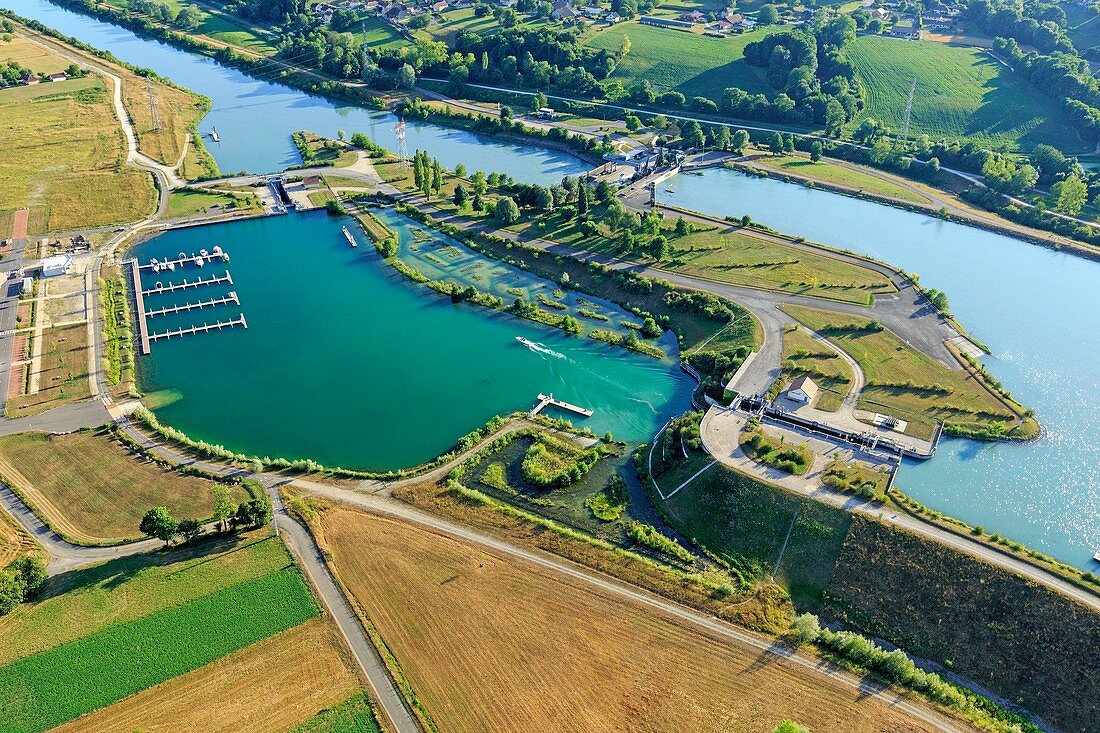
(402, 143)
(909, 109)
(152, 104)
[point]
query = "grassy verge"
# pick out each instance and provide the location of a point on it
(801, 168)
(316, 150)
(118, 338)
(63, 376)
(762, 447)
(905, 383)
(188, 202)
(803, 356)
(52, 687)
(354, 715)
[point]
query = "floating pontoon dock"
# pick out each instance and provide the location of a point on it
(199, 329)
(231, 298)
(172, 287)
(549, 399)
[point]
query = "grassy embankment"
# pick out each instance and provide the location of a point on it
(689, 63)
(833, 173)
(164, 639)
(316, 150)
(804, 356)
(961, 93)
(63, 375)
(602, 664)
(191, 201)
(905, 383)
(932, 601)
(92, 489)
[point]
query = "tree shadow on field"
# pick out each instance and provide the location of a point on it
(115, 573)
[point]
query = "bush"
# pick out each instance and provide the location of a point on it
(553, 462)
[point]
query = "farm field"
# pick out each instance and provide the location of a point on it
(380, 35)
(31, 56)
(840, 175)
(58, 685)
(805, 356)
(464, 19)
(271, 686)
(692, 64)
(961, 92)
(91, 487)
(59, 147)
(74, 605)
(905, 383)
(548, 655)
(14, 541)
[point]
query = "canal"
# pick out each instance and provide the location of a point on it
(1030, 305)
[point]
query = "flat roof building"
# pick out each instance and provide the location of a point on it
(56, 265)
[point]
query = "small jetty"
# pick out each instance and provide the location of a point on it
(189, 330)
(349, 237)
(549, 399)
(160, 287)
(168, 309)
(214, 135)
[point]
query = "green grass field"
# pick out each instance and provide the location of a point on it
(840, 175)
(47, 689)
(352, 716)
(961, 92)
(746, 523)
(74, 605)
(220, 26)
(693, 64)
(902, 381)
(804, 356)
(186, 203)
(455, 21)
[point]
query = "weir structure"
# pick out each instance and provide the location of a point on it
(145, 335)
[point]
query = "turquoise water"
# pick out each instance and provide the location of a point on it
(1031, 305)
(256, 118)
(346, 362)
(1034, 308)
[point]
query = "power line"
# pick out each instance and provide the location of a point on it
(909, 109)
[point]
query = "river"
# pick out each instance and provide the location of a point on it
(1030, 305)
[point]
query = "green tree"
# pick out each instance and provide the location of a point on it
(722, 138)
(650, 329)
(775, 145)
(815, 151)
(31, 573)
(806, 628)
(768, 15)
(11, 591)
(659, 249)
(505, 112)
(633, 123)
(538, 102)
(224, 506)
(477, 203)
(406, 77)
(189, 17)
(834, 118)
(789, 726)
(692, 134)
(1070, 195)
(740, 141)
(158, 523)
(788, 144)
(624, 46)
(478, 182)
(506, 211)
(437, 177)
(460, 170)
(544, 200)
(683, 227)
(190, 529)
(461, 196)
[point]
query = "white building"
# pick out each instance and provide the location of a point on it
(56, 265)
(802, 390)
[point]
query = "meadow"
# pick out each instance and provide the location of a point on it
(60, 148)
(841, 174)
(961, 93)
(55, 686)
(548, 655)
(298, 676)
(63, 372)
(905, 383)
(692, 64)
(74, 605)
(805, 356)
(92, 488)
(187, 202)
(746, 524)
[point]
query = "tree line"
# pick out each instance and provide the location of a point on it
(228, 515)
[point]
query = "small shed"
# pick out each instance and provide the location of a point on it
(802, 390)
(57, 76)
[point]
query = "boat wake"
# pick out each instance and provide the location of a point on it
(533, 346)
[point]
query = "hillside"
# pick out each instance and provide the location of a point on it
(960, 92)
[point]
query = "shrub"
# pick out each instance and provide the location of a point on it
(553, 462)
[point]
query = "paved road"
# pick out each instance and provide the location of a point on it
(591, 580)
(63, 419)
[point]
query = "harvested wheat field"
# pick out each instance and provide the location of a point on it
(490, 644)
(271, 686)
(14, 542)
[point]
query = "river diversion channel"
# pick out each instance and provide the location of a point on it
(1032, 306)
